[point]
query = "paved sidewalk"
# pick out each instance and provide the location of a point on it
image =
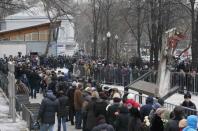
(69, 126)
(6, 123)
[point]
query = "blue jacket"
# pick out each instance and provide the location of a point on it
(192, 123)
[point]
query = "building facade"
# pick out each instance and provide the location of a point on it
(28, 31)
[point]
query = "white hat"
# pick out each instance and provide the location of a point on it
(116, 95)
(130, 96)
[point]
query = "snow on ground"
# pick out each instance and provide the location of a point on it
(6, 123)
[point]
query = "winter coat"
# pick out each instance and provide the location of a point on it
(49, 106)
(172, 125)
(70, 94)
(122, 120)
(146, 109)
(111, 113)
(157, 124)
(100, 108)
(91, 118)
(34, 80)
(192, 123)
(135, 124)
(63, 106)
(103, 126)
(189, 105)
(78, 99)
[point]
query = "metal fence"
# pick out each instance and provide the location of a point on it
(186, 82)
(30, 114)
(4, 82)
(170, 107)
(109, 75)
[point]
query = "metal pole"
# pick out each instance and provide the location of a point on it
(12, 91)
(108, 49)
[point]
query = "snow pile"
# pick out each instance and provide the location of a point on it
(6, 123)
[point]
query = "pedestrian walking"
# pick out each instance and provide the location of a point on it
(49, 106)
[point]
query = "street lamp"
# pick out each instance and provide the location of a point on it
(116, 38)
(92, 45)
(108, 45)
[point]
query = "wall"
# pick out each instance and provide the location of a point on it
(13, 47)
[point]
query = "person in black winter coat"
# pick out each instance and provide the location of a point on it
(49, 106)
(102, 125)
(122, 120)
(189, 104)
(63, 110)
(173, 124)
(146, 109)
(135, 123)
(34, 81)
(70, 94)
(100, 105)
(157, 123)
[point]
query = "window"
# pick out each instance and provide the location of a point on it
(35, 36)
(17, 38)
(43, 35)
(28, 37)
(32, 36)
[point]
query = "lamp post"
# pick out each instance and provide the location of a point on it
(108, 45)
(103, 47)
(116, 47)
(92, 50)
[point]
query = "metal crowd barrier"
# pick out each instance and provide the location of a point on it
(4, 82)
(170, 107)
(30, 114)
(20, 100)
(186, 82)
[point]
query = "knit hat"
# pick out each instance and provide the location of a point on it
(130, 96)
(156, 106)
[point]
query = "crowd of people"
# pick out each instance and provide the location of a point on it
(75, 98)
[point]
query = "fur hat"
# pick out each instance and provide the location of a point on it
(116, 95)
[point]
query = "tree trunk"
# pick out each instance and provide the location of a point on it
(49, 39)
(194, 36)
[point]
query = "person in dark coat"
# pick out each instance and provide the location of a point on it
(34, 81)
(135, 123)
(112, 109)
(49, 106)
(173, 124)
(63, 110)
(122, 120)
(146, 109)
(189, 104)
(157, 123)
(100, 105)
(70, 94)
(102, 125)
(91, 118)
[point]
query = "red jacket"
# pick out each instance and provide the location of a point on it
(132, 103)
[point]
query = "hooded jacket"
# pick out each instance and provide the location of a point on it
(146, 109)
(49, 106)
(192, 123)
(122, 120)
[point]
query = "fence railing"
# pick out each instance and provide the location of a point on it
(169, 106)
(4, 82)
(186, 82)
(113, 76)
